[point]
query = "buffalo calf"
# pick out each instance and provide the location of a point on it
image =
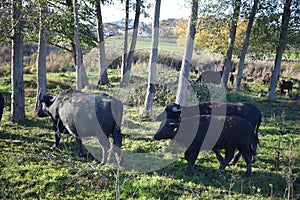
(286, 85)
(211, 132)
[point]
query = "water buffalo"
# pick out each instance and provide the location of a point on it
(210, 77)
(81, 115)
(1, 105)
(286, 85)
(267, 78)
(205, 132)
(245, 110)
(242, 109)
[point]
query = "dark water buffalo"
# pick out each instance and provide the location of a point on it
(267, 78)
(245, 110)
(210, 77)
(286, 85)
(211, 132)
(82, 115)
(1, 105)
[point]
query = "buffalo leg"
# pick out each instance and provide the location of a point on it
(219, 156)
(117, 136)
(247, 157)
(57, 139)
(80, 149)
(229, 153)
(191, 156)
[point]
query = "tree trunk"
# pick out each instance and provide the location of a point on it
(245, 45)
(228, 57)
(84, 78)
(188, 53)
(103, 77)
(17, 96)
(125, 47)
(42, 54)
(126, 77)
(79, 62)
(280, 49)
(152, 61)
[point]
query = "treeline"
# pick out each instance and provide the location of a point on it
(265, 27)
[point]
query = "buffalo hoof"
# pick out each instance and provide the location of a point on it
(188, 173)
(197, 167)
(248, 175)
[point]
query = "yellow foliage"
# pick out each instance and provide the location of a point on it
(211, 36)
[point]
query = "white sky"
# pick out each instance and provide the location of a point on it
(169, 9)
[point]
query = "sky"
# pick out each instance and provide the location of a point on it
(169, 9)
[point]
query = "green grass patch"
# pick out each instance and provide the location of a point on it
(29, 169)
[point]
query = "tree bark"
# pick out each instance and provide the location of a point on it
(280, 49)
(17, 96)
(103, 77)
(245, 45)
(126, 77)
(125, 47)
(188, 53)
(152, 61)
(84, 78)
(79, 61)
(228, 57)
(42, 54)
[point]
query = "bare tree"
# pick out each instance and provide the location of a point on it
(42, 52)
(188, 53)
(228, 56)
(126, 76)
(79, 60)
(125, 47)
(103, 77)
(280, 49)
(76, 50)
(153, 60)
(246, 44)
(17, 96)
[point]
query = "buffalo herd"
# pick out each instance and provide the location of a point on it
(206, 126)
(235, 126)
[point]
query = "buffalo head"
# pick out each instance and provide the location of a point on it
(44, 103)
(167, 130)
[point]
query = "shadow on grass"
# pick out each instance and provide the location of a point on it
(233, 180)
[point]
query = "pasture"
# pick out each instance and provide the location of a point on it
(29, 169)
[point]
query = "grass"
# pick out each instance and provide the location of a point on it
(29, 169)
(145, 44)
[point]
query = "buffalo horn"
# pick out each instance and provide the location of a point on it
(175, 109)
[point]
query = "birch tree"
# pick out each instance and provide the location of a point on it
(246, 44)
(125, 46)
(280, 49)
(152, 60)
(42, 52)
(102, 77)
(188, 53)
(79, 61)
(126, 73)
(17, 96)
